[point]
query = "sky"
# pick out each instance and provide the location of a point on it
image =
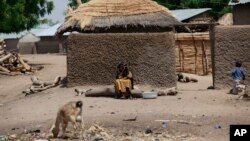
(57, 13)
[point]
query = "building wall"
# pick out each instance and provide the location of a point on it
(93, 58)
(11, 44)
(241, 14)
(47, 45)
(231, 43)
(27, 48)
(200, 18)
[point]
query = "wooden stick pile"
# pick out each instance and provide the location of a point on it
(39, 85)
(12, 63)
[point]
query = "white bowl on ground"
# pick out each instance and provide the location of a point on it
(149, 95)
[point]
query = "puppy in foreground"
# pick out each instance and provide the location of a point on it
(70, 112)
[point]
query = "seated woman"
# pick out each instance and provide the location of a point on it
(123, 82)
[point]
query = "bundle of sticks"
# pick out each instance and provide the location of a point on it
(12, 63)
(39, 85)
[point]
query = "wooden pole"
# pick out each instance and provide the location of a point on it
(4, 69)
(202, 57)
(195, 61)
(5, 57)
(2, 52)
(25, 65)
(205, 55)
(180, 56)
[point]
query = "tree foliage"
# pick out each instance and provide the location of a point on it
(73, 3)
(219, 7)
(19, 15)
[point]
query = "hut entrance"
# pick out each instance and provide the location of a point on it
(193, 50)
(193, 54)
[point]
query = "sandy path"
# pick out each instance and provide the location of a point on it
(193, 103)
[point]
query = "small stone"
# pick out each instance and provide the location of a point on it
(25, 131)
(148, 131)
(3, 137)
(14, 128)
(126, 134)
(98, 139)
(13, 136)
(217, 127)
(127, 140)
(43, 135)
(112, 113)
(179, 98)
(164, 124)
(37, 131)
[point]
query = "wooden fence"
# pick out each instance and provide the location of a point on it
(193, 53)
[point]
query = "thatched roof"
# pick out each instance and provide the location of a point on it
(29, 38)
(226, 19)
(97, 15)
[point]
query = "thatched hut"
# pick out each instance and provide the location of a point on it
(133, 31)
(27, 44)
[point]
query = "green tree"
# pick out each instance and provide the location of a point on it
(219, 7)
(170, 4)
(19, 15)
(73, 3)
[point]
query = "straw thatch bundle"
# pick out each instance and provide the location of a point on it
(103, 15)
(226, 19)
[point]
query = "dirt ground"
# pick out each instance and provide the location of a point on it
(207, 113)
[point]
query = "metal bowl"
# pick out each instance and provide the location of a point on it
(149, 95)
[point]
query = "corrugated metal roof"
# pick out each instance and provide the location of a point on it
(231, 2)
(19, 35)
(29, 38)
(51, 31)
(183, 14)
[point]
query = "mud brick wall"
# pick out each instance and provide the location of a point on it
(230, 44)
(241, 14)
(92, 58)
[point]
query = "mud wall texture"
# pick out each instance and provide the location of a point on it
(231, 43)
(241, 14)
(11, 44)
(47, 45)
(92, 58)
(27, 48)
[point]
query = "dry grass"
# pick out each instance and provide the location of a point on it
(99, 14)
